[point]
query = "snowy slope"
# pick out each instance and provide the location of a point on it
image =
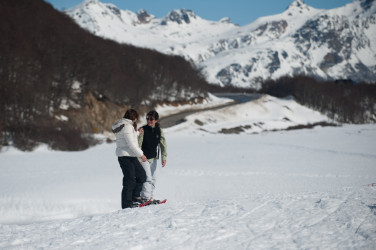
(328, 44)
(285, 190)
(265, 114)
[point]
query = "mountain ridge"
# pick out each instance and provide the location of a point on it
(325, 44)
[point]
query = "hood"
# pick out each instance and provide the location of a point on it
(120, 124)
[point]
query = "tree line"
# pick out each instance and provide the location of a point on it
(341, 100)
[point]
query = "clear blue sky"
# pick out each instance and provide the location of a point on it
(241, 12)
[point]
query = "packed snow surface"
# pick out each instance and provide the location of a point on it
(299, 189)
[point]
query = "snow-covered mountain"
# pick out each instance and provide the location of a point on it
(326, 44)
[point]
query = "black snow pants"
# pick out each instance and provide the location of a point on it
(134, 177)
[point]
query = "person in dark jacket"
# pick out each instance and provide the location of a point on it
(152, 142)
(128, 151)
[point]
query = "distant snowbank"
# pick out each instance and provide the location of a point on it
(265, 114)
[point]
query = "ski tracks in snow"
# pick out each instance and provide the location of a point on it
(326, 220)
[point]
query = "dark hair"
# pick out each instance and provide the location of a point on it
(132, 115)
(153, 114)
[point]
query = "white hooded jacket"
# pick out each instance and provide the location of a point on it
(126, 139)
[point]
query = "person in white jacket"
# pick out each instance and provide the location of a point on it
(128, 151)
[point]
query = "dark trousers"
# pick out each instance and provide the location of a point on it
(134, 177)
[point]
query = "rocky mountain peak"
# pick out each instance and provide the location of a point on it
(298, 7)
(225, 20)
(143, 16)
(179, 16)
(90, 1)
(367, 4)
(297, 4)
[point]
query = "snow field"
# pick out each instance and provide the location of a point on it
(286, 190)
(312, 220)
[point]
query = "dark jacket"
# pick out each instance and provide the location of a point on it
(149, 141)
